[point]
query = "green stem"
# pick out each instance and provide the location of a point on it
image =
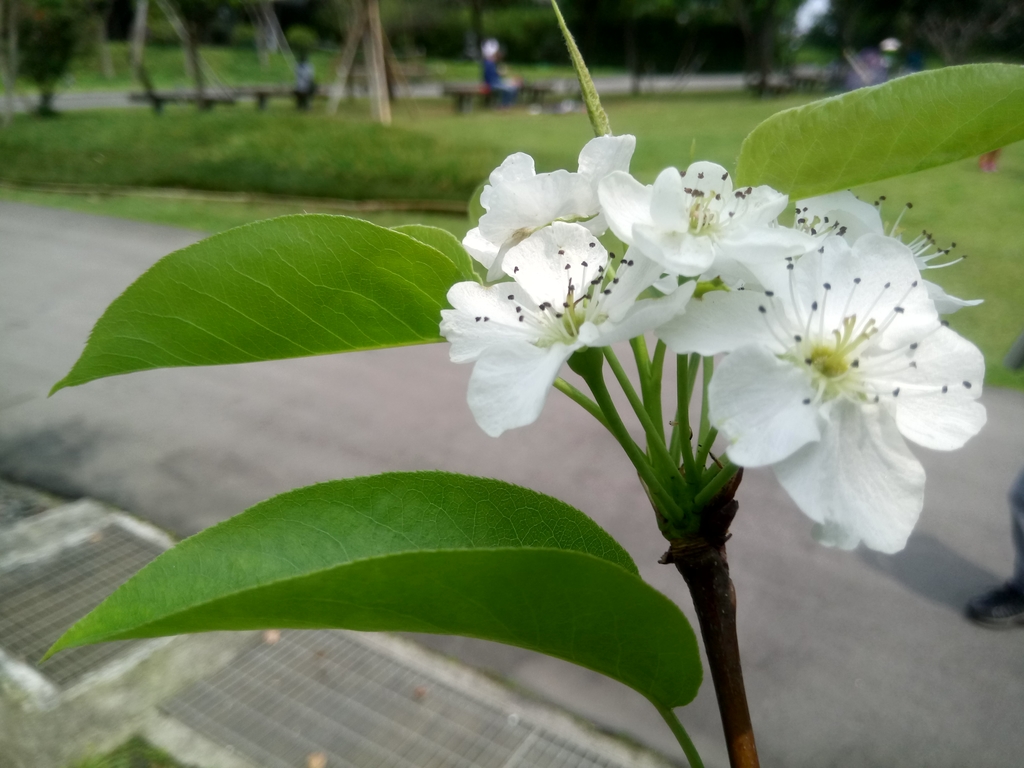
(682, 428)
(596, 113)
(654, 405)
(708, 368)
(580, 398)
(681, 736)
(716, 484)
(655, 442)
(604, 399)
(704, 448)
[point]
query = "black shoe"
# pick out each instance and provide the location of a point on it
(1000, 608)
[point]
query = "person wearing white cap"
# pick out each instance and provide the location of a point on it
(491, 51)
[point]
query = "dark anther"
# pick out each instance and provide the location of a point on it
(825, 220)
(486, 319)
(822, 249)
(910, 205)
(896, 392)
(856, 363)
(898, 310)
(914, 345)
(629, 263)
(814, 231)
(725, 176)
(807, 401)
(913, 364)
(584, 264)
(856, 281)
(514, 271)
(814, 306)
(518, 310)
(945, 389)
(798, 337)
(511, 296)
(967, 385)
(808, 360)
(561, 253)
(592, 245)
(762, 310)
(521, 318)
(607, 291)
(827, 286)
(914, 284)
(567, 266)
(769, 294)
(478, 319)
(944, 323)
(886, 285)
(700, 175)
(789, 266)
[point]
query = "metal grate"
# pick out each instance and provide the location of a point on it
(17, 502)
(323, 692)
(40, 600)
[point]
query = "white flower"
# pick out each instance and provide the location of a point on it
(687, 220)
(852, 218)
(519, 201)
(564, 297)
(832, 366)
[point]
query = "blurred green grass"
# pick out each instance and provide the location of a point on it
(134, 753)
(432, 153)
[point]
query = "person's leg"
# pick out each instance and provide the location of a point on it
(1004, 606)
(1017, 516)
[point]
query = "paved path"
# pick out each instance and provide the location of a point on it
(851, 659)
(607, 86)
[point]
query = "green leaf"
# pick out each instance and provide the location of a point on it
(445, 242)
(906, 125)
(287, 287)
(424, 552)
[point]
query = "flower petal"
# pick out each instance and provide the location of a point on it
(946, 304)
(763, 406)
(860, 482)
(842, 208)
(678, 252)
(479, 247)
(624, 202)
(606, 154)
(518, 208)
(670, 207)
(510, 383)
(484, 316)
(641, 317)
(719, 321)
(539, 263)
(937, 419)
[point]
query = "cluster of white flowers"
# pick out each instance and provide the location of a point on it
(836, 353)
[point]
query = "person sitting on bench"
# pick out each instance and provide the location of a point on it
(491, 51)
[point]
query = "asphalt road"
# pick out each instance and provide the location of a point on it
(852, 659)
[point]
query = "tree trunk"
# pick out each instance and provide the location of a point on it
(138, 38)
(632, 57)
(103, 45)
(9, 54)
(376, 77)
(195, 65)
(476, 25)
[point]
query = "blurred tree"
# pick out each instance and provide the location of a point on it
(8, 54)
(49, 36)
(955, 28)
(761, 22)
(197, 16)
(100, 12)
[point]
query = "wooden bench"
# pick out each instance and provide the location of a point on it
(263, 93)
(159, 98)
(463, 94)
